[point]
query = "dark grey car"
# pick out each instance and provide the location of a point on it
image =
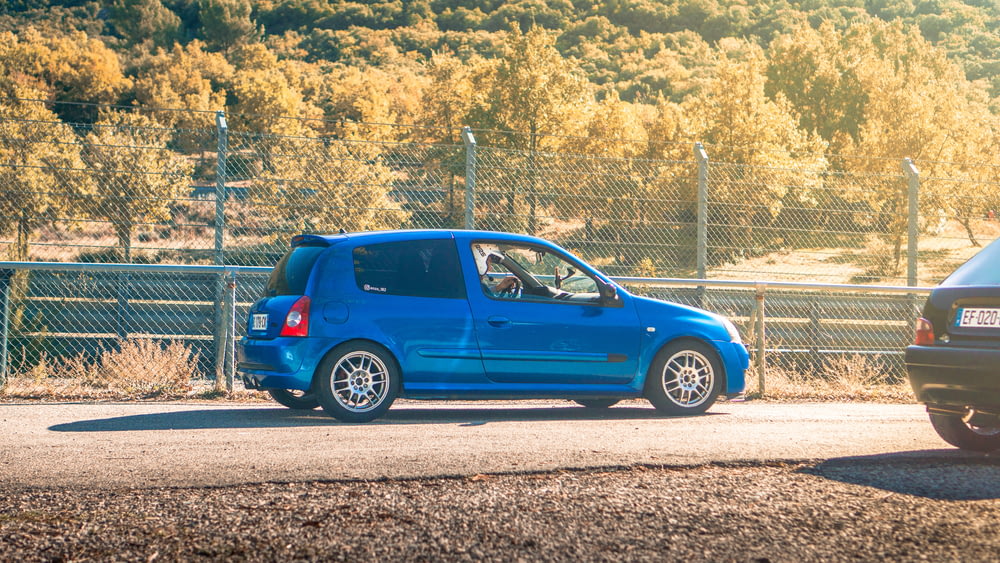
(954, 362)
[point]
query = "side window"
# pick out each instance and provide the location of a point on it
(514, 271)
(418, 268)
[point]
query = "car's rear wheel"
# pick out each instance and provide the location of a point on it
(295, 399)
(684, 378)
(596, 403)
(357, 382)
(961, 434)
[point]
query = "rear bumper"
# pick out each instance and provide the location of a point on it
(279, 363)
(961, 377)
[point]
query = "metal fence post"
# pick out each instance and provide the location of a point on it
(470, 177)
(5, 277)
(913, 228)
(230, 321)
(760, 361)
(220, 186)
(221, 332)
(701, 259)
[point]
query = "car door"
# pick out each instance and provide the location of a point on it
(559, 331)
(412, 295)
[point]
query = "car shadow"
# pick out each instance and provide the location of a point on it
(269, 417)
(945, 474)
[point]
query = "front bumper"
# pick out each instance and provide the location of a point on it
(736, 360)
(960, 377)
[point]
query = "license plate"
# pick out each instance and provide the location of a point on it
(978, 317)
(259, 321)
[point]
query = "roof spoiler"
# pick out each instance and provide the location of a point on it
(310, 240)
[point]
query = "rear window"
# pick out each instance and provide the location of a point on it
(291, 273)
(981, 269)
(417, 268)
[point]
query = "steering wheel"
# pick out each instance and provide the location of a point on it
(509, 287)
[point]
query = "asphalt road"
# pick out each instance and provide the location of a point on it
(199, 444)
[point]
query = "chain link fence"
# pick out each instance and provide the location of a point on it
(125, 189)
(139, 329)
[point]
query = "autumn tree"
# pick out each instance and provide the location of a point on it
(317, 184)
(42, 177)
(138, 177)
(184, 78)
(535, 94)
(879, 91)
(769, 161)
(71, 68)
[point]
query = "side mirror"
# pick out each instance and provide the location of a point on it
(609, 293)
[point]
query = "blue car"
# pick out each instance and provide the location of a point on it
(352, 321)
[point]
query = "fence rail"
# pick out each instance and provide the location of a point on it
(55, 311)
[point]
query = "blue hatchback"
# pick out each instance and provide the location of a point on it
(350, 322)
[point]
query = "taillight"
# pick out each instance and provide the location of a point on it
(923, 334)
(297, 319)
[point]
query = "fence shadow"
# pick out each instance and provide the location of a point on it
(946, 474)
(270, 417)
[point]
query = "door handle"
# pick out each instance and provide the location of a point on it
(498, 322)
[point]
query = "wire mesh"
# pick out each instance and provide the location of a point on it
(126, 189)
(799, 224)
(62, 323)
(625, 216)
(282, 186)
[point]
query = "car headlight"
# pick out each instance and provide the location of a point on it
(734, 333)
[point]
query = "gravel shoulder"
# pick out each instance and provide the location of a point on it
(839, 510)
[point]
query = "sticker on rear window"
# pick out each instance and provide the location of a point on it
(368, 287)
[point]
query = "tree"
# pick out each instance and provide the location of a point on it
(317, 184)
(138, 177)
(880, 91)
(773, 162)
(72, 67)
(42, 177)
(535, 94)
(186, 78)
(227, 23)
(139, 21)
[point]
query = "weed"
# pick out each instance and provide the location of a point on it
(842, 377)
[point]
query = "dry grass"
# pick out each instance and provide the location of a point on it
(133, 369)
(841, 378)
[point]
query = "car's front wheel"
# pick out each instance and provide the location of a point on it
(357, 382)
(684, 378)
(295, 399)
(961, 434)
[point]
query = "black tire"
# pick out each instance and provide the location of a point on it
(684, 378)
(596, 403)
(357, 381)
(958, 433)
(295, 399)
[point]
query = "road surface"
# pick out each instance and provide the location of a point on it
(124, 445)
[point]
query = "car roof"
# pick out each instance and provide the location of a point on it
(979, 270)
(371, 237)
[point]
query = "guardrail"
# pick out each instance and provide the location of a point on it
(52, 310)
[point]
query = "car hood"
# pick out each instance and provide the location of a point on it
(676, 319)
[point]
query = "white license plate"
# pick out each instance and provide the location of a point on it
(259, 321)
(978, 317)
